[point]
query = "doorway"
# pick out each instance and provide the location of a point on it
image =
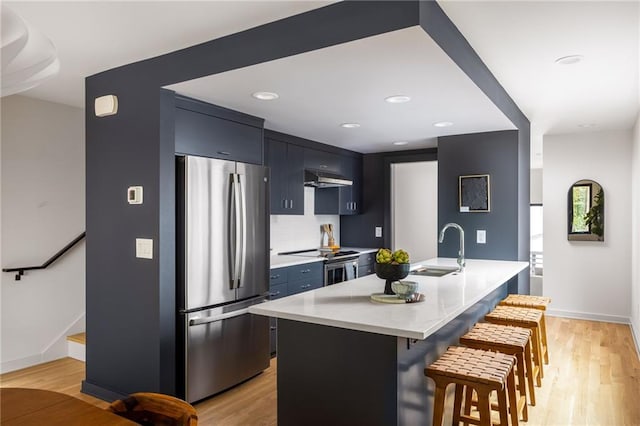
(414, 208)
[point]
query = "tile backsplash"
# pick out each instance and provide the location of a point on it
(297, 232)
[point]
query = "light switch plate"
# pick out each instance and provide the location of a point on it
(134, 195)
(378, 231)
(144, 248)
(481, 236)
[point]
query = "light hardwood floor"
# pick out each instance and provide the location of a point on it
(593, 379)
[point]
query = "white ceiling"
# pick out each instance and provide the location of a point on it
(518, 41)
(94, 36)
(348, 83)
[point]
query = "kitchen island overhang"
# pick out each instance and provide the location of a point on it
(343, 359)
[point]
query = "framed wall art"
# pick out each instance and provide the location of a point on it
(474, 193)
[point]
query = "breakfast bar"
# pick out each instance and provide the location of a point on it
(346, 360)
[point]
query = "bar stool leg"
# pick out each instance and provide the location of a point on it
(537, 350)
(468, 402)
(484, 406)
(457, 404)
(502, 406)
(438, 404)
(532, 372)
(513, 400)
(522, 384)
(543, 332)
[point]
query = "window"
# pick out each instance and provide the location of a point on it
(580, 206)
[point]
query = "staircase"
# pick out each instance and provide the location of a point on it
(76, 345)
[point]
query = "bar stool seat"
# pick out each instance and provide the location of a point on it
(527, 318)
(512, 341)
(473, 369)
(532, 302)
(526, 301)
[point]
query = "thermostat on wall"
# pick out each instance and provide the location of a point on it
(134, 195)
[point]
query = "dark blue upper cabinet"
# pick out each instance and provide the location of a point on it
(322, 160)
(287, 177)
(350, 196)
(211, 131)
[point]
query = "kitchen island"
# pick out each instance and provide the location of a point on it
(345, 360)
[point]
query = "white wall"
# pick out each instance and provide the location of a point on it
(635, 250)
(414, 208)
(535, 195)
(584, 278)
(290, 233)
(43, 208)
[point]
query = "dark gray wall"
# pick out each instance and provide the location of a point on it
(127, 335)
(359, 230)
(493, 153)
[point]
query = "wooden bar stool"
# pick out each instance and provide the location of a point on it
(473, 369)
(511, 341)
(527, 318)
(532, 302)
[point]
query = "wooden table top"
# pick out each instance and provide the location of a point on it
(26, 407)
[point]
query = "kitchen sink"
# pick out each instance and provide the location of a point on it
(434, 271)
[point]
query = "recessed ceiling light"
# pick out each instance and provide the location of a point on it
(569, 60)
(587, 125)
(443, 124)
(350, 125)
(265, 96)
(401, 143)
(397, 99)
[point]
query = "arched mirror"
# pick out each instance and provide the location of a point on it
(586, 211)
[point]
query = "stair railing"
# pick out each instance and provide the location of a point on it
(20, 270)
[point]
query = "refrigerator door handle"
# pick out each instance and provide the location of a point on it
(231, 242)
(214, 318)
(238, 230)
(243, 235)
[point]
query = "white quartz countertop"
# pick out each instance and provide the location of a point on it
(348, 305)
(283, 260)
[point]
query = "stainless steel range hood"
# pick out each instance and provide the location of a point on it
(320, 179)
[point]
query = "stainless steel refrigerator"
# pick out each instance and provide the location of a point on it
(223, 268)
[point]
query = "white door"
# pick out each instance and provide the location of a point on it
(414, 209)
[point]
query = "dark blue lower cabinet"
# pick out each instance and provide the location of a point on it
(278, 291)
(292, 280)
(365, 264)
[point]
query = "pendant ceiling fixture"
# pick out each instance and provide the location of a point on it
(28, 56)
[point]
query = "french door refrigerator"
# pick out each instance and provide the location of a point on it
(223, 268)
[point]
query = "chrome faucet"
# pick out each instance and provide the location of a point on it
(461, 262)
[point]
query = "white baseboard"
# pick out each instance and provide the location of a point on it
(588, 316)
(18, 364)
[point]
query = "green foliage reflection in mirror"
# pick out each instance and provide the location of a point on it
(586, 211)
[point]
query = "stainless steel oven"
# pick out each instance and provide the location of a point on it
(338, 267)
(337, 271)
